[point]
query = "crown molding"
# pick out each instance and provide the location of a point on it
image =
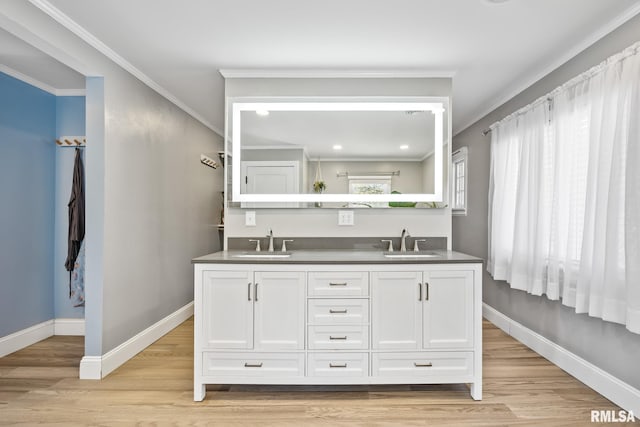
(40, 85)
(331, 74)
(71, 92)
(96, 43)
(571, 53)
(27, 79)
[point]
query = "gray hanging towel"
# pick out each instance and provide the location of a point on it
(76, 215)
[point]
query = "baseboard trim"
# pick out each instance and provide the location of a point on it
(97, 367)
(68, 327)
(617, 391)
(25, 337)
(91, 368)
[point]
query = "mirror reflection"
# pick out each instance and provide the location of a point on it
(337, 154)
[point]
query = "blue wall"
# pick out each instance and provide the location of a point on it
(70, 121)
(27, 166)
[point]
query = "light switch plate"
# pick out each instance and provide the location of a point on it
(345, 217)
(250, 218)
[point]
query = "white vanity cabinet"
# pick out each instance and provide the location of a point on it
(414, 310)
(338, 323)
(253, 310)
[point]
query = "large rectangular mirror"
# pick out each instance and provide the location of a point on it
(337, 152)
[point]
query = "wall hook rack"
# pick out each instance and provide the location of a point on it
(71, 141)
(208, 161)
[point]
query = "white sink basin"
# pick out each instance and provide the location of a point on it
(262, 255)
(410, 255)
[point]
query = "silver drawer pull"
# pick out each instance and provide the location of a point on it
(338, 338)
(332, 311)
(253, 365)
(422, 365)
(337, 283)
(337, 365)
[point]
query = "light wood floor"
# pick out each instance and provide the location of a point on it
(39, 386)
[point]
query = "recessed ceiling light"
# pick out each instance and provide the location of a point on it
(337, 147)
(262, 112)
(404, 147)
(496, 1)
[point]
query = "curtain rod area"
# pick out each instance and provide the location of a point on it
(346, 174)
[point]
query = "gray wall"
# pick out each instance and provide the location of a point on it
(607, 345)
(410, 179)
(151, 204)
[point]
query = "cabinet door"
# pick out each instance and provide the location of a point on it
(448, 309)
(279, 310)
(396, 310)
(227, 307)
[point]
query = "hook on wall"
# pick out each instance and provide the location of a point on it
(208, 161)
(71, 141)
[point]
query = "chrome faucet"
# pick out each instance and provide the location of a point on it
(270, 236)
(284, 244)
(403, 240)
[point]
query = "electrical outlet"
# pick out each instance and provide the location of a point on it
(250, 218)
(345, 217)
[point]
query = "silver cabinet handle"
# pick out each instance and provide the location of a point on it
(249, 291)
(338, 284)
(253, 365)
(426, 291)
(337, 365)
(419, 291)
(422, 365)
(255, 293)
(332, 311)
(338, 338)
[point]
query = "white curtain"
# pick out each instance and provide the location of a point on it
(564, 198)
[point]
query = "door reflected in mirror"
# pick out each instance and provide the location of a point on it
(355, 152)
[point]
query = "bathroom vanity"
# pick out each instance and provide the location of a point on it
(337, 317)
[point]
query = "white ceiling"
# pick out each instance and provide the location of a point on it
(495, 50)
(361, 135)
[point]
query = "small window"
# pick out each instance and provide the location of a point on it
(369, 185)
(459, 161)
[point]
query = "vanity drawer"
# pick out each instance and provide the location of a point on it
(338, 337)
(253, 364)
(338, 364)
(423, 364)
(338, 311)
(338, 284)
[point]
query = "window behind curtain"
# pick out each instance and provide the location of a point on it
(563, 213)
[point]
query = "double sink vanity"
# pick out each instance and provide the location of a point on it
(363, 315)
(338, 317)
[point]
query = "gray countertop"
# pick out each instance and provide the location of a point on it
(334, 257)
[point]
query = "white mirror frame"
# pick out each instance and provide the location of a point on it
(435, 105)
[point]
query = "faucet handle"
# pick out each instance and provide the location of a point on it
(390, 248)
(415, 244)
(257, 242)
(284, 244)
